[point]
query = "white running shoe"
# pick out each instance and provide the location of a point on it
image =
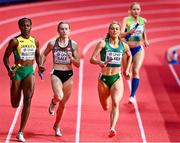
(131, 99)
(52, 108)
(57, 132)
(20, 137)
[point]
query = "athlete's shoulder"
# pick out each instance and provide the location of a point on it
(102, 42)
(13, 41)
(33, 37)
(74, 44)
(51, 43)
(126, 18)
(143, 19)
(124, 43)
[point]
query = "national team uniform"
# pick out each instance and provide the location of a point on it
(116, 54)
(25, 51)
(60, 56)
(137, 35)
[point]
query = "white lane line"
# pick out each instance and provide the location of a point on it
(82, 18)
(174, 74)
(138, 116)
(168, 57)
(80, 85)
(62, 11)
(44, 3)
(14, 121)
(140, 124)
(89, 18)
(87, 8)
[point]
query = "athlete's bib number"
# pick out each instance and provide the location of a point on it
(138, 31)
(61, 57)
(27, 53)
(115, 56)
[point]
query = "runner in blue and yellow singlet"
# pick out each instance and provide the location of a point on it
(133, 29)
(25, 49)
(110, 82)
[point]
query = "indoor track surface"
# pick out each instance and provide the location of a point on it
(155, 117)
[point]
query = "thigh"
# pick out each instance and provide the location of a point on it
(67, 89)
(15, 89)
(57, 85)
(28, 85)
(117, 91)
(124, 61)
(138, 59)
(103, 90)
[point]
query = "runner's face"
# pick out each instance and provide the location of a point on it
(135, 11)
(114, 30)
(25, 27)
(64, 30)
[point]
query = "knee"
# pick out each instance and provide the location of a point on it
(135, 72)
(106, 107)
(14, 105)
(27, 100)
(115, 105)
(58, 97)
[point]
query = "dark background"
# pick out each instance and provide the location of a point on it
(10, 2)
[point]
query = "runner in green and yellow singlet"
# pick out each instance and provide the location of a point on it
(133, 29)
(25, 49)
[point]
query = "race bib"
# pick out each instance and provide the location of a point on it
(61, 57)
(115, 56)
(138, 31)
(27, 53)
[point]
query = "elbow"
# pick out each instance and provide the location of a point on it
(77, 64)
(129, 56)
(5, 59)
(91, 61)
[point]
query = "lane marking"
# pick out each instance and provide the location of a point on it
(174, 74)
(172, 69)
(80, 85)
(14, 121)
(138, 116)
(2, 44)
(88, 8)
(70, 1)
(40, 4)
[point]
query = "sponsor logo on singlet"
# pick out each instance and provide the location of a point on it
(61, 57)
(115, 56)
